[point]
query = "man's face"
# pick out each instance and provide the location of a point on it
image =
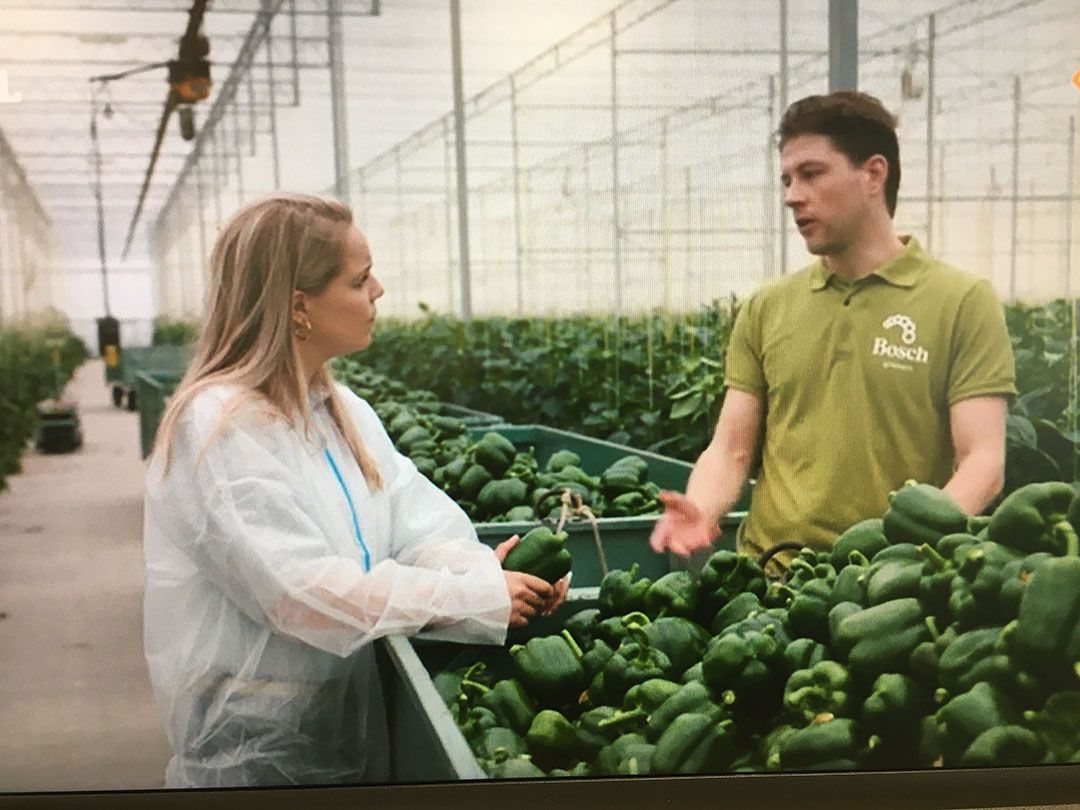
(827, 195)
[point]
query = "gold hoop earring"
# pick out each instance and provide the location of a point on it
(302, 329)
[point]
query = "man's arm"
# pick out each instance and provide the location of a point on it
(689, 521)
(721, 470)
(977, 425)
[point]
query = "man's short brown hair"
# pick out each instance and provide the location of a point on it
(857, 124)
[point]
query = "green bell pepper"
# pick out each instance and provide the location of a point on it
(477, 720)
(623, 592)
(899, 551)
(497, 743)
(752, 666)
(1034, 518)
(648, 695)
(777, 595)
(681, 640)
(974, 597)
(974, 656)
(598, 654)
(629, 754)
(829, 743)
(734, 611)
(1005, 745)
(555, 742)
(804, 653)
(592, 720)
(582, 624)
(633, 663)
(837, 614)
(541, 553)
(881, 638)
(809, 565)
(1045, 637)
(866, 537)
(615, 629)
(520, 767)
(893, 579)
(808, 613)
(694, 743)
(581, 769)
(562, 458)
(894, 711)
(1058, 726)
(922, 513)
(724, 576)
(952, 544)
(935, 582)
(824, 687)
(674, 594)
(693, 697)
(1014, 579)
(850, 583)
(695, 673)
(511, 704)
(959, 722)
(550, 668)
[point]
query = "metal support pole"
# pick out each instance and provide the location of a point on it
(688, 224)
(253, 122)
(236, 156)
(459, 155)
(201, 202)
(931, 43)
(783, 108)
(449, 208)
(770, 184)
(296, 53)
(338, 102)
(665, 224)
(516, 157)
(615, 229)
(100, 211)
(1070, 169)
(1015, 187)
(217, 178)
(272, 109)
(843, 45)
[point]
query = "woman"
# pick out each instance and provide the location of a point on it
(283, 532)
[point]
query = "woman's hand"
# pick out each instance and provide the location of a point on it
(558, 596)
(529, 595)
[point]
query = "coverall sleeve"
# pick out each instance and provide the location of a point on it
(260, 545)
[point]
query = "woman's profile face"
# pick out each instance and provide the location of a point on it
(343, 314)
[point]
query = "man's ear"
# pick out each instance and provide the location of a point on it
(877, 172)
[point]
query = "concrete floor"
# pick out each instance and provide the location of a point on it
(75, 700)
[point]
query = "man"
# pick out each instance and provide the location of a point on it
(871, 366)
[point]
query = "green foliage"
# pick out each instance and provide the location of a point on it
(653, 382)
(35, 364)
(168, 332)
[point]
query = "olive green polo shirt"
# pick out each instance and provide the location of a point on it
(857, 381)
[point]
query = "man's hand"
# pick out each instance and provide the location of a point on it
(682, 529)
(559, 592)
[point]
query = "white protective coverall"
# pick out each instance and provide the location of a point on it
(263, 598)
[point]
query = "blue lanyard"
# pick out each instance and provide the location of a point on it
(352, 509)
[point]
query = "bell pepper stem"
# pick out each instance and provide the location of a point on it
(934, 556)
(619, 718)
(1064, 531)
(474, 686)
(637, 618)
(931, 625)
(569, 639)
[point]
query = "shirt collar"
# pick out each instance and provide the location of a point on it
(902, 270)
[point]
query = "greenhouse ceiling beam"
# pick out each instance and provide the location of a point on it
(8, 156)
(589, 37)
(123, 63)
(372, 10)
(243, 63)
(96, 38)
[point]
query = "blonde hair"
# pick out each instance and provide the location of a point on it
(267, 249)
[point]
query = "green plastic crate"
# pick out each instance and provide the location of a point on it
(469, 416)
(425, 743)
(624, 539)
(153, 388)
